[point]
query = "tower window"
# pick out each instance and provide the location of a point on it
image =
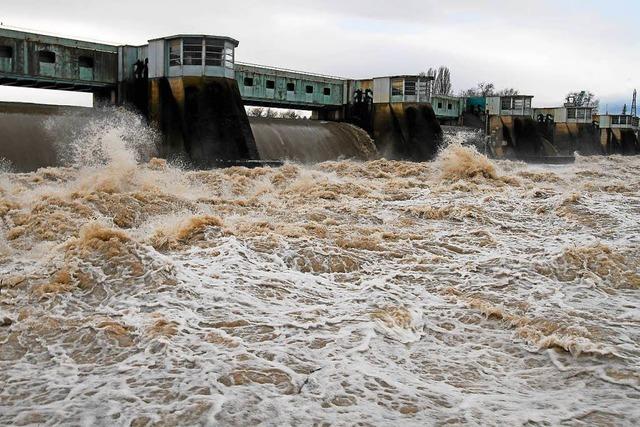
(327, 91)
(192, 51)
(271, 84)
(410, 87)
(215, 53)
(309, 89)
(397, 87)
(248, 81)
(291, 87)
(174, 53)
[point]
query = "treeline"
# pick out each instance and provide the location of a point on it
(441, 84)
(274, 114)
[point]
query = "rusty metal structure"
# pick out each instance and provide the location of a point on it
(48, 62)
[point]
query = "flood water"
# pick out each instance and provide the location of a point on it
(460, 291)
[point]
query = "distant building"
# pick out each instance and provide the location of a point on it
(401, 89)
(417, 89)
(618, 121)
(566, 114)
(512, 105)
(619, 133)
(445, 106)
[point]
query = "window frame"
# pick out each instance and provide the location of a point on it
(193, 51)
(214, 53)
(7, 50)
(85, 59)
(397, 87)
(175, 59)
(410, 87)
(46, 57)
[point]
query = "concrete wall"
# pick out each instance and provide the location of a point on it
(518, 137)
(406, 131)
(620, 141)
(202, 119)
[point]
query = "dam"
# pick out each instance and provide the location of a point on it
(191, 89)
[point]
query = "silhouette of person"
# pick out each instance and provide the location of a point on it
(368, 96)
(358, 96)
(146, 68)
(138, 69)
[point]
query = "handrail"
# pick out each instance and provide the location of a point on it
(59, 35)
(249, 64)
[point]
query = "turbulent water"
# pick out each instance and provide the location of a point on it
(461, 291)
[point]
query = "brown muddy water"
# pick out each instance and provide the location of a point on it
(461, 291)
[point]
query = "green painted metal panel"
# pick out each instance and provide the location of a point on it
(447, 107)
(6, 65)
(26, 64)
(48, 70)
(86, 73)
(264, 85)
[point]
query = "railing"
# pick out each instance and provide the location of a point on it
(325, 76)
(110, 44)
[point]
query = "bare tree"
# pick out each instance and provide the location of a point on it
(442, 84)
(290, 114)
(270, 114)
(482, 89)
(430, 76)
(508, 92)
(468, 93)
(583, 98)
(431, 73)
(256, 112)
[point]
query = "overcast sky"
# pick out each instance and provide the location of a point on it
(545, 48)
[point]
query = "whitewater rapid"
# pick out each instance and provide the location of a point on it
(460, 291)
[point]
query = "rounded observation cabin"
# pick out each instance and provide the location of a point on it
(192, 55)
